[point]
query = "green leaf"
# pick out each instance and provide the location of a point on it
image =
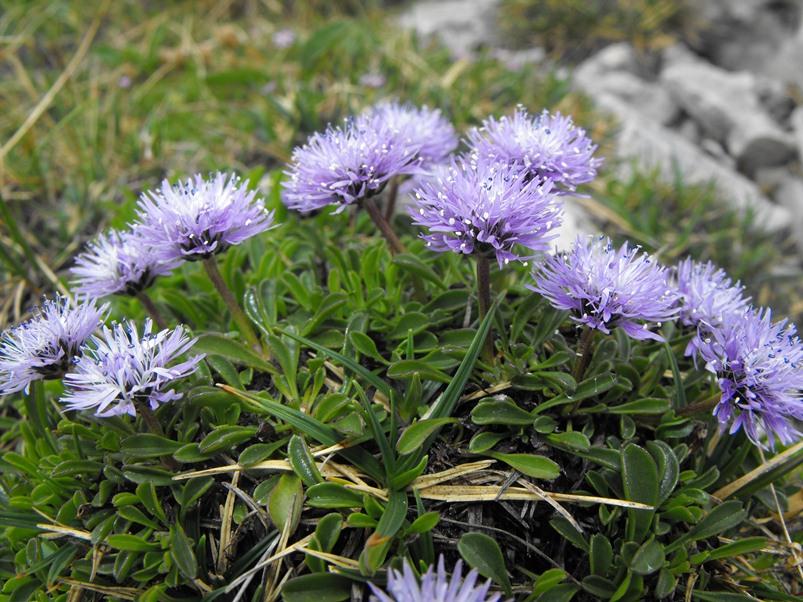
(571, 441)
(232, 350)
(500, 409)
(588, 388)
(531, 465)
(404, 369)
(648, 558)
(286, 501)
(413, 437)
(668, 468)
(302, 462)
(148, 445)
(560, 593)
(721, 518)
(721, 596)
(394, 514)
(640, 484)
(182, 552)
(482, 442)
(547, 580)
(600, 554)
(736, 548)
(647, 406)
(412, 264)
(327, 531)
(225, 438)
(568, 530)
(483, 554)
(332, 495)
(131, 543)
(317, 587)
(666, 584)
(424, 523)
(365, 345)
(445, 404)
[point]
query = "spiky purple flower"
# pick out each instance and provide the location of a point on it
(482, 207)
(708, 295)
(197, 218)
(759, 367)
(344, 165)
(549, 146)
(120, 369)
(605, 287)
(44, 346)
(418, 127)
(434, 586)
(118, 263)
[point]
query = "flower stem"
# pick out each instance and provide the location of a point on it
(484, 296)
(394, 243)
(152, 310)
(150, 420)
(585, 349)
(393, 193)
(210, 264)
(704, 405)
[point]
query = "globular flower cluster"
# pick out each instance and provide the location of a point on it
(120, 369)
(759, 368)
(118, 262)
(434, 586)
(198, 218)
(421, 128)
(605, 287)
(347, 164)
(548, 146)
(43, 346)
(486, 208)
(708, 294)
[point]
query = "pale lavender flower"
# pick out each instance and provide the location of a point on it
(759, 368)
(198, 218)
(118, 262)
(284, 38)
(433, 586)
(119, 369)
(605, 288)
(708, 294)
(482, 207)
(420, 127)
(44, 346)
(345, 165)
(549, 146)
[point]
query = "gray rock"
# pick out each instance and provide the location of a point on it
(728, 108)
(689, 130)
(796, 119)
(613, 58)
(652, 146)
(649, 99)
(462, 25)
(576, 222)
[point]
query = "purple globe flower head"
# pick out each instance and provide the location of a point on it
(549, 146)
(118, 263)
(434, 586)
(605, 287)
(198, 218)
(283, 38)
(483, 207)
(759, 368)
(420, 127)
(120, 368)
(43, 346)
(345, 165)
(708, 295)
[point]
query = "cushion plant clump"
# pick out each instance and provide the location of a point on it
(362, 408)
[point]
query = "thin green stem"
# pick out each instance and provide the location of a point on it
(210, 264)
(484, 296)
(585, 349)
(395, 244)
(152, 310)
(699, 407)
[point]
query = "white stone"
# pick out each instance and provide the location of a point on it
(789, 195)
(652, 146)
(728, 108)
(796, 119)
(649, 99)
(462, 25)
